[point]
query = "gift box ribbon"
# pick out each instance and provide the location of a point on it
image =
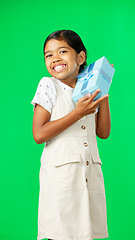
(87, 75)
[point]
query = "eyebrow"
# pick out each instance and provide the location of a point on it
(57, 48)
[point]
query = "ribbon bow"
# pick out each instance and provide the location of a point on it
(88, 72)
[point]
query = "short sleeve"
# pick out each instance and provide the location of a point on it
(45, 94)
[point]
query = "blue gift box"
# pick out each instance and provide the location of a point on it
(97, 75)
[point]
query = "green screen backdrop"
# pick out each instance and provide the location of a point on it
(107, 29)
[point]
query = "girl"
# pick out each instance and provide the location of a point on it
(72, 203)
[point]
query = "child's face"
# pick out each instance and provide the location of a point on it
(62, 61)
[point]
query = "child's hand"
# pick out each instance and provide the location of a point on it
(86, 105)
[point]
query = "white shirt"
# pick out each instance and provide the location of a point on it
(46, 94)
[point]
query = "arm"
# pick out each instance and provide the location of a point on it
(102, 118)
(44, 129)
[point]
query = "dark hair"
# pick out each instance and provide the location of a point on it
(72, 39)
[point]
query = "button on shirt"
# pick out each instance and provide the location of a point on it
(83, 127)
(85, 144)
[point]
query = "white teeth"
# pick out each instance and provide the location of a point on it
(59, 67)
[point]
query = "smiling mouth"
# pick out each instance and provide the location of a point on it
(59, 68)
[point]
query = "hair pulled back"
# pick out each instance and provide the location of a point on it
(72, 39)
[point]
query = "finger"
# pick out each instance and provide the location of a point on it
(111, 63)
(86, 97)
(95, 94)
(99, 100)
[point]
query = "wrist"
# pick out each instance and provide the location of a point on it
(76, 114)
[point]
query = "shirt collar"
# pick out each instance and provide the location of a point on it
(65, 86)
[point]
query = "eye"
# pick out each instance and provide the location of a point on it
(63, 51)
(48, 56)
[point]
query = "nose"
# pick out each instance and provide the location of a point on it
(56, 58)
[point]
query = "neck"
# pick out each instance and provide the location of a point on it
(70, 83)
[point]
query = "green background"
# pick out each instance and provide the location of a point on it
(107, 29)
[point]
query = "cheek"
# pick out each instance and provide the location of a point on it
(47, 65)
(74, 62)
(74, 65)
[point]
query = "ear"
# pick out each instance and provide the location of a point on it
(81, 58)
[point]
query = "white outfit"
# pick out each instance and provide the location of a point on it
(72, 203)
(46, 93)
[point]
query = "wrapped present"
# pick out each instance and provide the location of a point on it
(97, 75)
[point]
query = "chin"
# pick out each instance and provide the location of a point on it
(59, 76)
